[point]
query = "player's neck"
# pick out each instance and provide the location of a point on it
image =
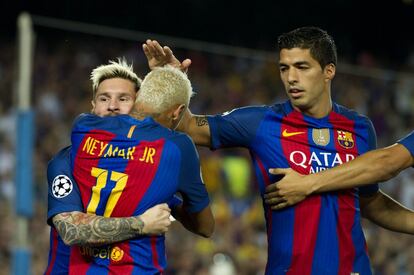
(140, 115)
(317, 111)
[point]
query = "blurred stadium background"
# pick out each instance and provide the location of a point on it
(376, 78)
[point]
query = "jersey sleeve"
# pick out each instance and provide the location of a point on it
(236, 128)
(63, 192)
(371, 189)
(191, 186)
(174, 201)
(408, 142)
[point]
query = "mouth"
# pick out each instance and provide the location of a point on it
(296, 93)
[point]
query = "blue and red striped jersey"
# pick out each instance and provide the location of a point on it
(408, 142)
(122, 167)
(63, 196)
(322, 234)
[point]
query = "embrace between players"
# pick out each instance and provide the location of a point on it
(111, 193)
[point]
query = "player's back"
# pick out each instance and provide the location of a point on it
(124, 166)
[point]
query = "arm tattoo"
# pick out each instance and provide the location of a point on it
(86, 229)
(201, 121)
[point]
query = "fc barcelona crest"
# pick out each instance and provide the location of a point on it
(345, 139)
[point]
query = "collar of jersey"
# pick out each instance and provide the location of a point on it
(287, 106)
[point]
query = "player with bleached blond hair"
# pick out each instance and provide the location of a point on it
(121, 184)
(165, 95)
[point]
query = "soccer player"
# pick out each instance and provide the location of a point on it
(115, 88)
(309, 133)
(374, 166)
(125, 165)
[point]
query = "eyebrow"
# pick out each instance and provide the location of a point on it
(108, 94)
(298, 63)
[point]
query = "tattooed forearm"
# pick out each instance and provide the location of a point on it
(86, 229)
(201, 120)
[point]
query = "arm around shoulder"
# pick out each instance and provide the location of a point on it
(78, 228)
(391, 160)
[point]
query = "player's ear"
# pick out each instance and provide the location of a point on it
(93, 105)
(177, 115)
(330, 71)
(178, 112)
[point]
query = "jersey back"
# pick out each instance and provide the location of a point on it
(123, 167)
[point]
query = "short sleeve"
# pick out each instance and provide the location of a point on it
(236, 128)
(191, 185)
(63, 192)
(408, 142)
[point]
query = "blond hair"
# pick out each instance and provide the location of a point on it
(165, 87)
(120, 69)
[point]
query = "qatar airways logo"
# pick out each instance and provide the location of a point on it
(318, 161)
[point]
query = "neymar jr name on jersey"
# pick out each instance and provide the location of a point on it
(99, 148)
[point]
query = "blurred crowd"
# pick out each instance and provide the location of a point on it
(62, 90)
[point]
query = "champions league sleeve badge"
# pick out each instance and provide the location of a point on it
(61, 186)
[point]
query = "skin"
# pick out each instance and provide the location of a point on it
(114, 96)
(306, 84)
(86, 229)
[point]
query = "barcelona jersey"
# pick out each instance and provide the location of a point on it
(322, 234)
(122, 167)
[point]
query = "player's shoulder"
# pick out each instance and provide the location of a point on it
(63, 156)
(84, 117)
(248, 110)
(60, 163)
(351, 114)
(176, 135)
(87, 119)
(182, 140)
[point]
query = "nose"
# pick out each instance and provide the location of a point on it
(113, 105)
(292, 76)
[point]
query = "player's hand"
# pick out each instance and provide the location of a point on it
(288, 191)
(158, 56)
(156, 219)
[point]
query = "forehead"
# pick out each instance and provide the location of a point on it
(295, 56)
(116, 86)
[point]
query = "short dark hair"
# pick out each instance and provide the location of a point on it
(319, 42)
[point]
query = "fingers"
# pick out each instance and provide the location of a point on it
(276, 171)
(274, 200)
(270, 195)
(280, 206)
(279, 171)
(185, 65)
(168, 52)
(158, 50)
(271, 188)
(146, 51)
(164, 206)
(153, 48)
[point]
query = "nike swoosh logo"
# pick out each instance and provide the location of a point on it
(287, 134)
